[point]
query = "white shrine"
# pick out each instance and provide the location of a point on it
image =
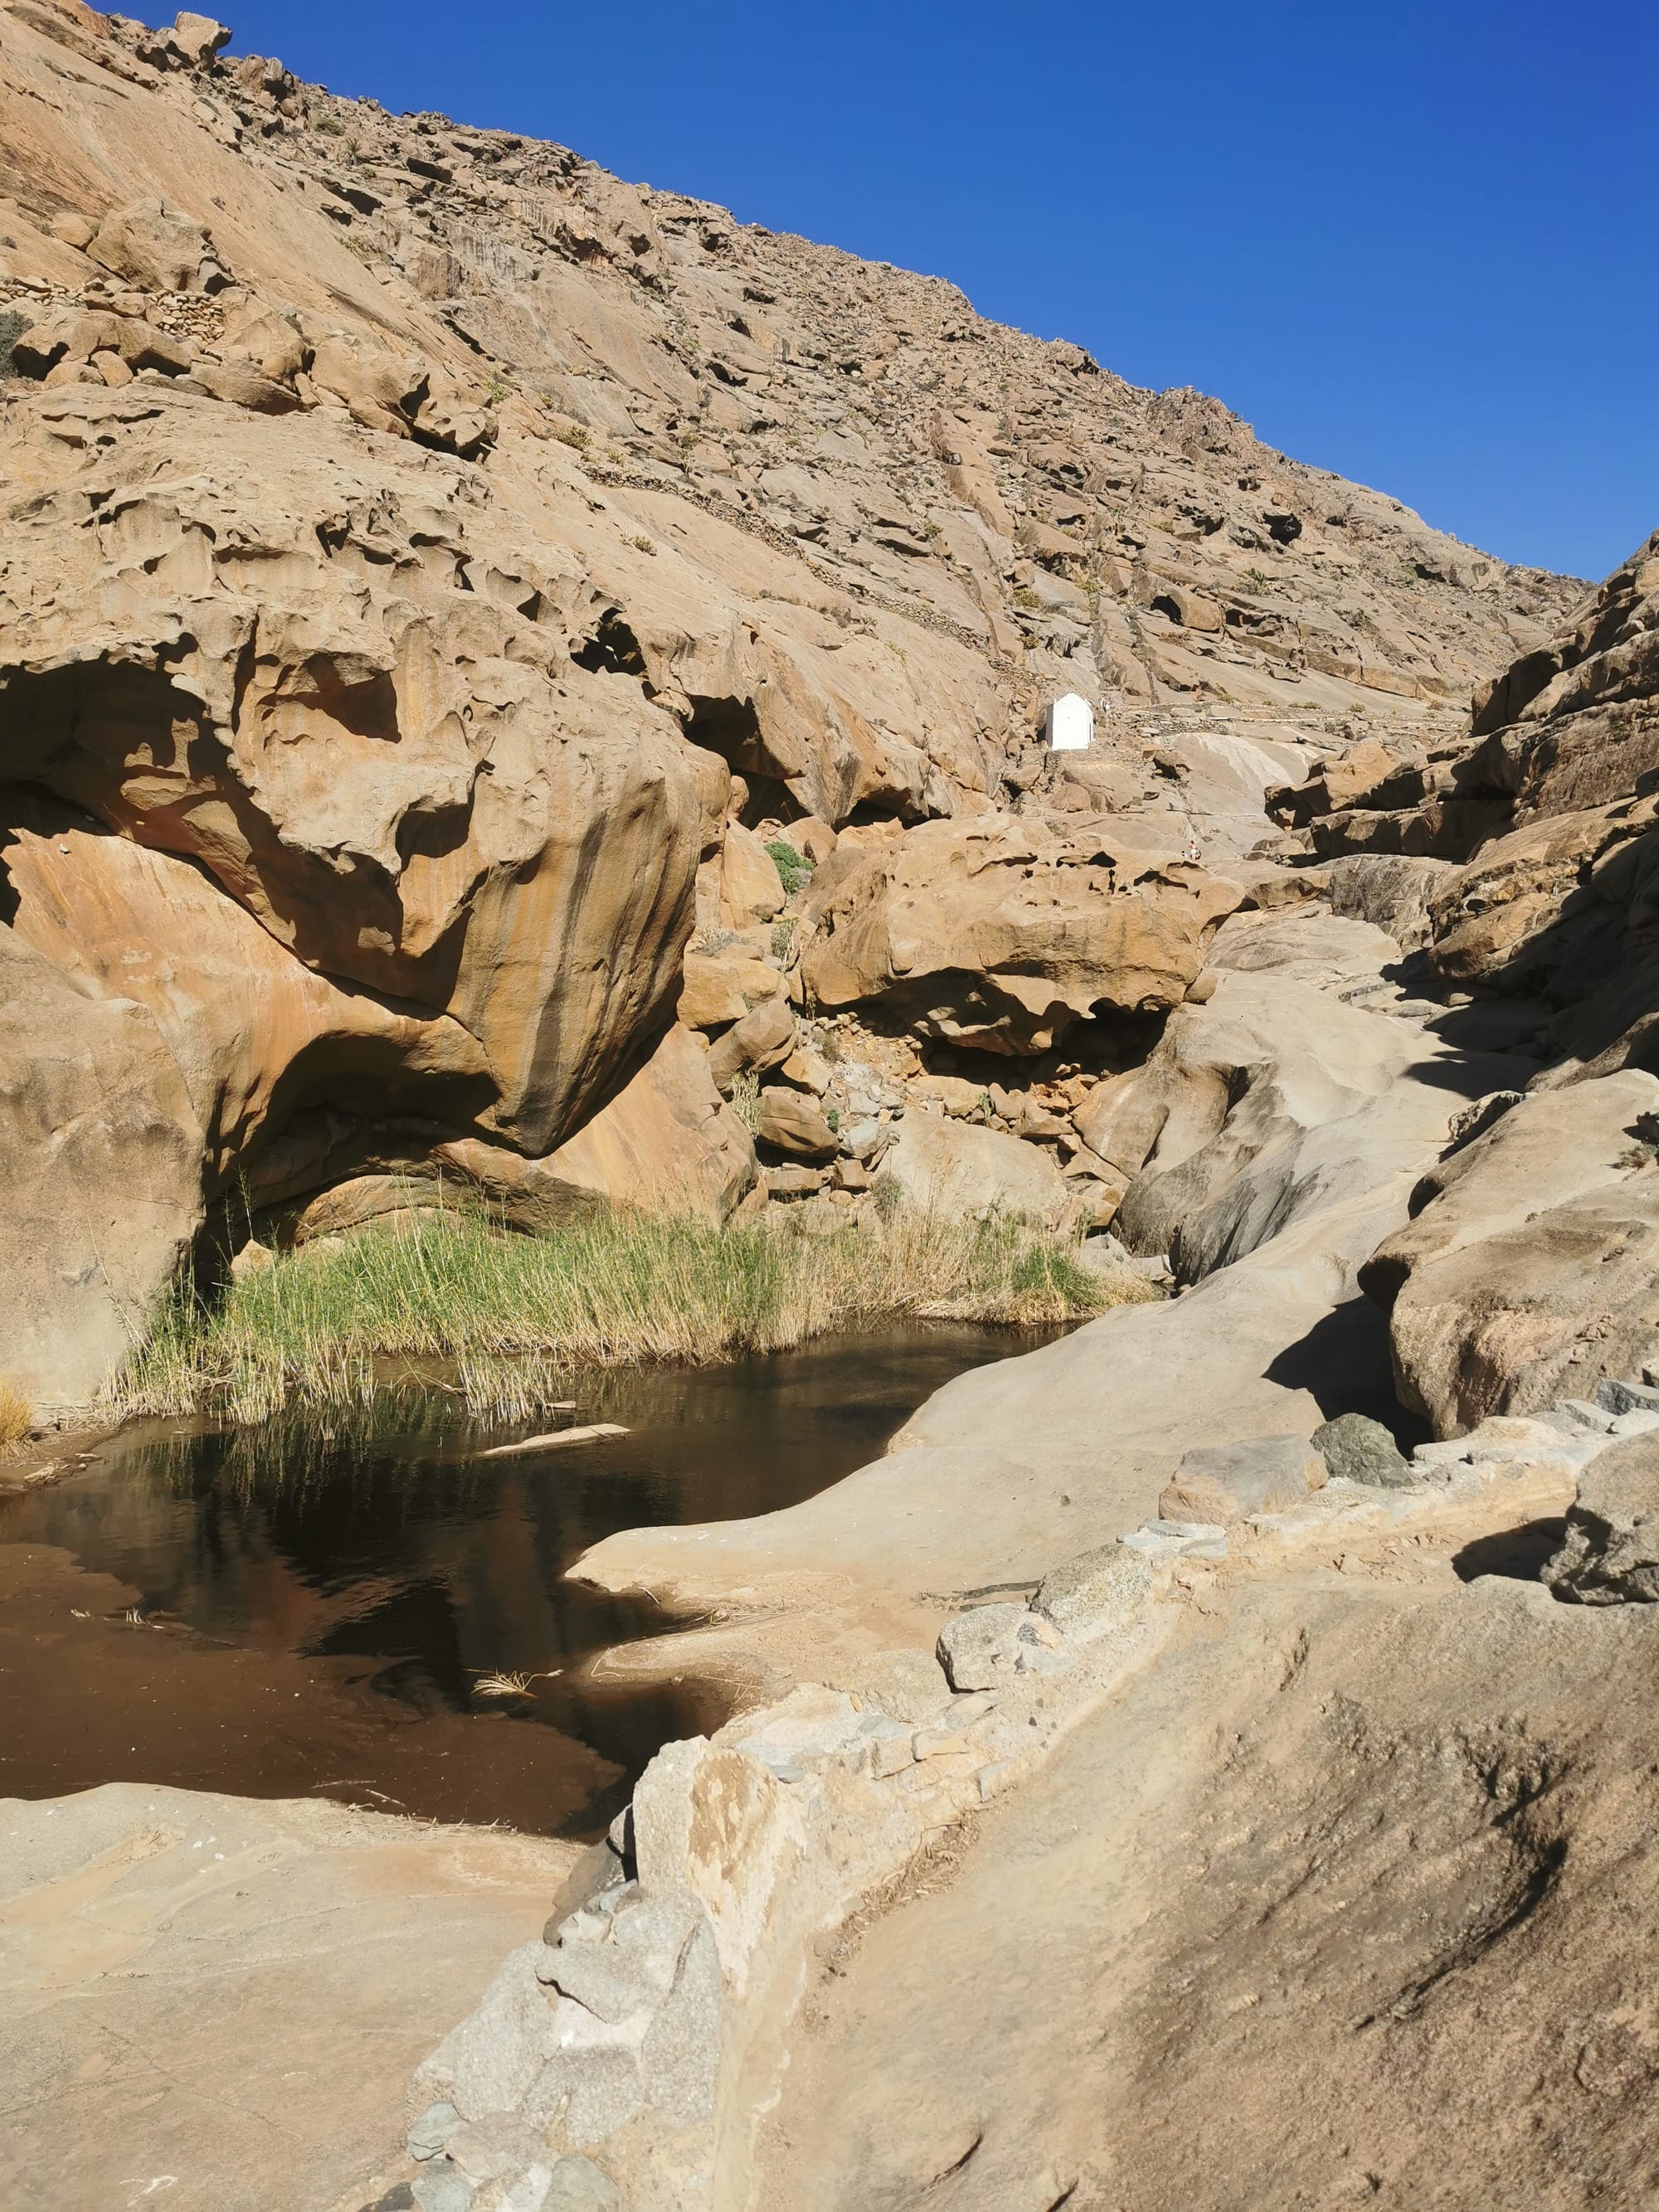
(1069, 724)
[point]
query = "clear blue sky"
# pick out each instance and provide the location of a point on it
(1416, 243)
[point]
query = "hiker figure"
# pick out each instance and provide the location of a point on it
(1192, 854)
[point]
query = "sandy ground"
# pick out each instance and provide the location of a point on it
(214, 2005)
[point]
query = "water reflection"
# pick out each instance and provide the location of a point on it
(379, 1552)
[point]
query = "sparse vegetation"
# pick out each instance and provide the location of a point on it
(783, 936)
(516, 1312)
(16, 1415)
(571, 433)
(745, 1099)
(794, 869)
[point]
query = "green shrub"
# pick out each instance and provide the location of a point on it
(794, 869)
(12, 327)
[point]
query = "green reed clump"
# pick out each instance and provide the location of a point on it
(513, 1311)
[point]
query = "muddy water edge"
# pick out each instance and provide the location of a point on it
(310, 1608)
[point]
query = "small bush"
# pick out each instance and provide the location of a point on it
(783, 936)
(571, 433)
(745, 1099)
(12, 327)
(794, 869)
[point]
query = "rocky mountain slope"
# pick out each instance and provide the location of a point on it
(430, 564)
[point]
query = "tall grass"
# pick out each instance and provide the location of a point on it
(512, 1311)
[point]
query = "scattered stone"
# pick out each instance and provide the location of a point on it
(1616, 1397)
(1095, 1592)
(1226, 1483)
(600, 1868)
(982, 1648)
(723, 987)
(893, 1745)
(961, 1172)
(443, 2187)
(631, 1966)
(1358, 1449)
(433, 2129)
(1584, 1415)
(762, 1039)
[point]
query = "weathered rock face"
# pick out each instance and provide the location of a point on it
(1531, 1268)
(103, 1160)
(406, 782)
(985, 934)
(364, 840)
(1267, 1102)
(1545, 803)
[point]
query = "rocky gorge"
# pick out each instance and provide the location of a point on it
(520, 694)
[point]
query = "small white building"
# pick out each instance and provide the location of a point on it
(1069, 724)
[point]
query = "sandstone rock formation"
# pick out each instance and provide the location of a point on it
(438, 570)
(981, 934)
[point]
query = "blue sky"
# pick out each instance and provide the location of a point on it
(1415, 243)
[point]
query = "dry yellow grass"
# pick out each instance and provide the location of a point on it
(17, 1414)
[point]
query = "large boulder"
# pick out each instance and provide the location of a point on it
(962, 1172)
(1218, 1485)
(1610, 1553)
(1528, 1271)
(991, 933)
(159, 249)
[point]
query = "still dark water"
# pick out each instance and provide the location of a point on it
(316, 1605)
